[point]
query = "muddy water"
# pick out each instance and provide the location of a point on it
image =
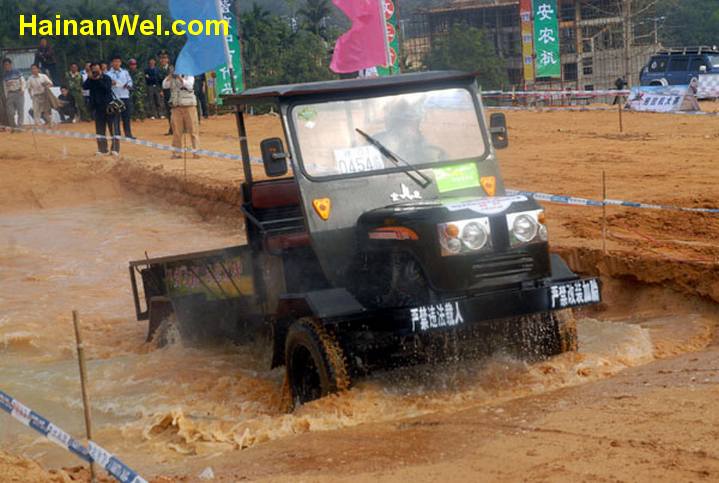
(178, 408)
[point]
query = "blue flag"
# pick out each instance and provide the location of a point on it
(203, 52)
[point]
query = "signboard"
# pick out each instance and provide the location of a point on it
(546, 39)
(223, 83)
(662, 99)
(527, 32)
(391, 15)
(708, 86)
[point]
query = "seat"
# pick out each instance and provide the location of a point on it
(276, 204)
(275, 194)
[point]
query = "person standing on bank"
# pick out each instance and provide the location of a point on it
(138, 91)
(14, 84)
(100, 87)
(74, 84)
(37, 86)
(184, 110)
(121, 85)
(45, 59)
(155, 104)
(164, 70)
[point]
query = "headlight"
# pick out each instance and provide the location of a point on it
(474, 236)
(463, 237)
(524, 228)
(527, 227)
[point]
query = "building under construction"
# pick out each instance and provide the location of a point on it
(592, 37)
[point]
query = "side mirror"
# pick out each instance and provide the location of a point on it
(498, 130)
(274, 157)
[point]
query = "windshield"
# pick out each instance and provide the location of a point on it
(714, 59)
(419, 128)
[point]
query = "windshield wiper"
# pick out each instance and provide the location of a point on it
(412, 172)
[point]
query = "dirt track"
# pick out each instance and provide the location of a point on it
(655, 421)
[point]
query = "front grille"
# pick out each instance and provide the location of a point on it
(500, 266)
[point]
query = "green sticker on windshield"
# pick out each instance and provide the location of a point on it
(457, 177)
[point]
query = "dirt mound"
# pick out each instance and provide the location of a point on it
(19, 469)
(693, 278)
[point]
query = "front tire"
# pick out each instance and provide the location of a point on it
(315, 363)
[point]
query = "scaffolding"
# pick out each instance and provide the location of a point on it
(593, 50)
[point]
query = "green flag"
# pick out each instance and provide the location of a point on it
(391, 16)
(546, 39)
(224, 81)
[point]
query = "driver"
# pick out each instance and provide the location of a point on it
(403, 136)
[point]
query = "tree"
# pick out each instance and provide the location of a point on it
(466, 48)
(689, 23)
(314, 14)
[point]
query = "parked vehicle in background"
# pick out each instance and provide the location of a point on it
(679, 66)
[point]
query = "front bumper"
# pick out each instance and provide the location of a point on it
(464, 312)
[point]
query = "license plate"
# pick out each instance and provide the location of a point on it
(575, 294)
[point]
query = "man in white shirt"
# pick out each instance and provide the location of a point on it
(184, 110)
(14, 84)
(37, 86)
(121, 85)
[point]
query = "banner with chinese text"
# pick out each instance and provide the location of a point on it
(546, 39)
(223, 84)
(527, 30)
(392, 16)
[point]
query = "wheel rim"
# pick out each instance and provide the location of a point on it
(304, 376)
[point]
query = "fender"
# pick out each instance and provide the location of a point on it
(324, 305)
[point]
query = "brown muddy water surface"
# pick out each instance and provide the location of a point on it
(178, 410)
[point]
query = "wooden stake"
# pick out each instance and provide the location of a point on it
(621, 123)
(184, 152)
(83, 385)
(604, 211)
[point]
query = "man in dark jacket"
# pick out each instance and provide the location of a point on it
(155, 103)
(164, 71)
(100, 87)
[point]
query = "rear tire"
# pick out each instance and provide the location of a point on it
(160, 308)
(315, 363)
(162, 326)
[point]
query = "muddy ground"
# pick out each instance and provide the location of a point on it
(638, 402)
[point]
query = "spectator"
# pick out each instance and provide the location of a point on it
(68, 108)
(201, 94)
(103, 67)
(155, 103)
(121, 85)
(74, 82)
(45, 60)
(620, 85)
(164, 70)
(100, 87)
(14, 84)
(184, 109)
(37, 86)
(85, 92)
(138, 90)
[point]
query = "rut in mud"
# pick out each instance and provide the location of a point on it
(170, 409)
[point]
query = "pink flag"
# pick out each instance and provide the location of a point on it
(365, 44)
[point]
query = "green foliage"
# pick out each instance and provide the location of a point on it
(689, 23)
(274, 54)
(314, 14)
(82, 49)
(466, 48)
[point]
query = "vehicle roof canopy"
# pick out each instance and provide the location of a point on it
(276, 94)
